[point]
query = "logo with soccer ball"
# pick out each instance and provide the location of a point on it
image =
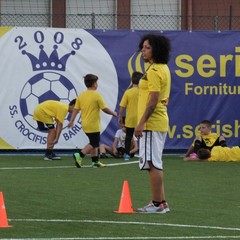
(48, 84)
(49, 63)
(45, 86)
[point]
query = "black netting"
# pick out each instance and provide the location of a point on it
(113, 21)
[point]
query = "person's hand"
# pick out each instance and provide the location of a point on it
(138, 131)
(70, 124)
(120, 120)
(55, 141)
(115, 151)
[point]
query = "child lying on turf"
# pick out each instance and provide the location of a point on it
(217, 154)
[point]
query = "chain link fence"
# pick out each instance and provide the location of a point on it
(112, 21)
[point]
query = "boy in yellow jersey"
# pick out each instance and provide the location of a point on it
(130, 102)
(206, 139)
(46, 114)
(90, 103)
(217, 154)
(153, 121)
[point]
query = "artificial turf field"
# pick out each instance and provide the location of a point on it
(56, 200)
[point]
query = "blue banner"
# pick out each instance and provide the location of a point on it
(46, 63)
(205, 68)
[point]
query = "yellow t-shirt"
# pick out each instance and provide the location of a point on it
(50, 110)
(225, 154)
(209, 139)
(156, 79)
(130, 102)
(90, 103)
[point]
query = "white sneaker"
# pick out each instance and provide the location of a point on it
(150, 208)
(166, 207)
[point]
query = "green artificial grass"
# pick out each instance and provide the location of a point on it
(54, 199)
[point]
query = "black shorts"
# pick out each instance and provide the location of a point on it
(121, 151)
(44, 126)
(94, 139)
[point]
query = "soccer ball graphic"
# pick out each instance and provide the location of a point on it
(41, 87)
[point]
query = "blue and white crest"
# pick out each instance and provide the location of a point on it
(49, 84)
(49, 64)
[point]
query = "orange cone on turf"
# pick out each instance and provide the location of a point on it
(3, 214)
(125, 205)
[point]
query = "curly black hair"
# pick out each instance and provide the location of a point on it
(161, 47)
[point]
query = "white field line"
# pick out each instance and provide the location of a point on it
(60, 167)
(120, 222)
(129, 238)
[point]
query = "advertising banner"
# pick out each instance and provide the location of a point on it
(38, 64)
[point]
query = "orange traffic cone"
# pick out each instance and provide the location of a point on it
(125, 205)
(3, 214)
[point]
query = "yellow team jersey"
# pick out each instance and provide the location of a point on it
(50, 110)
(225, 154)
(130, 102)
(90, 103)
(156, 79)
(209, 139)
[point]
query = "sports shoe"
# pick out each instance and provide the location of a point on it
(166, 207)
(103, 155)
(78, 160)
(55, 157)
(51, 157)
(127, 157)
(98, 164)
(150, 208)
(193, 155)
(47, 158)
